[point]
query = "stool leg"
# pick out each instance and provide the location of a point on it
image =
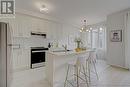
(66, 76)
(85, 76)
(77, 76)
(89, 71)
(75, 71)
(95, 70)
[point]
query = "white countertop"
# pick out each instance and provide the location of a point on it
(68, 53)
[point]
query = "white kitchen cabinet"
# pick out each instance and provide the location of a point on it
(41, 26)
(37, 25)
(34, 26)
(20, 25)
(24, 26)
(21, 59)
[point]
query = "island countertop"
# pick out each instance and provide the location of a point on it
(73, 52)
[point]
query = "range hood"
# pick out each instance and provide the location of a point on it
(38, 33)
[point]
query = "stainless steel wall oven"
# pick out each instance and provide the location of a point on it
(38, 56)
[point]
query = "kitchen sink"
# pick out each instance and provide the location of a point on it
(62, 51)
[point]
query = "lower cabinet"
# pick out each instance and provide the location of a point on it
(21, 59)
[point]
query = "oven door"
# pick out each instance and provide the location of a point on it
(37, 58)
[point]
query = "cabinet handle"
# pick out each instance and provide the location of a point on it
(15, 46)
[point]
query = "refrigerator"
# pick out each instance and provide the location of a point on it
(5, 55)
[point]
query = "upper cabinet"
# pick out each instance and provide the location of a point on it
(23, 25)
(38, 25)
(20, 26)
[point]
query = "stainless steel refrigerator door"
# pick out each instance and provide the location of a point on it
(9, 56)
(5, 56)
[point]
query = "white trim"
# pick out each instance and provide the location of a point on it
(36, 14)
(127, 41)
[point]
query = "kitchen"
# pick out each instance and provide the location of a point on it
(26, 39)
(42, 43)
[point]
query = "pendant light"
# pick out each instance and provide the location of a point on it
(85, 28)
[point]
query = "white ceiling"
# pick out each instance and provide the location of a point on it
(75, 11)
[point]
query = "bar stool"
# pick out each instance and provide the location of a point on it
(78, 66)
(82, 70)
(90, 61)
(73, 66)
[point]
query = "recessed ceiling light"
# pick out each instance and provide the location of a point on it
(87, 30)
(91, 28)
(101, 29)
(80, 30)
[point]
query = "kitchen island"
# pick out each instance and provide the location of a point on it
(56, 65)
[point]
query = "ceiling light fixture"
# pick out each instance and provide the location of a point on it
(43, 9)
(84, 28)
(91, 28)
(101, 29)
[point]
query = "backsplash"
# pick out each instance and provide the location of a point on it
(33, 41)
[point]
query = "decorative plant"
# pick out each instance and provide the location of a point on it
(78, 41)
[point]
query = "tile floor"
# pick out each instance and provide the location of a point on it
(108, 77)
(30, 78)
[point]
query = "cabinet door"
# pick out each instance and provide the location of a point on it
(26, 58)
(25, 26)
(14, 25)
(33, 23)
(21, 59)
(20, 26)
(43, 26)
(16, 59)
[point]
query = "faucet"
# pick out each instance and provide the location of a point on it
(65, 47)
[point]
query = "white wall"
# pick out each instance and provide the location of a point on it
(116, 50)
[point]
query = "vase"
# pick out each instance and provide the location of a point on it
(78, 44)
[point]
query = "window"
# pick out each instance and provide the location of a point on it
(96, 38)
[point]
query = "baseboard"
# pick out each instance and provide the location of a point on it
(120, 67)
